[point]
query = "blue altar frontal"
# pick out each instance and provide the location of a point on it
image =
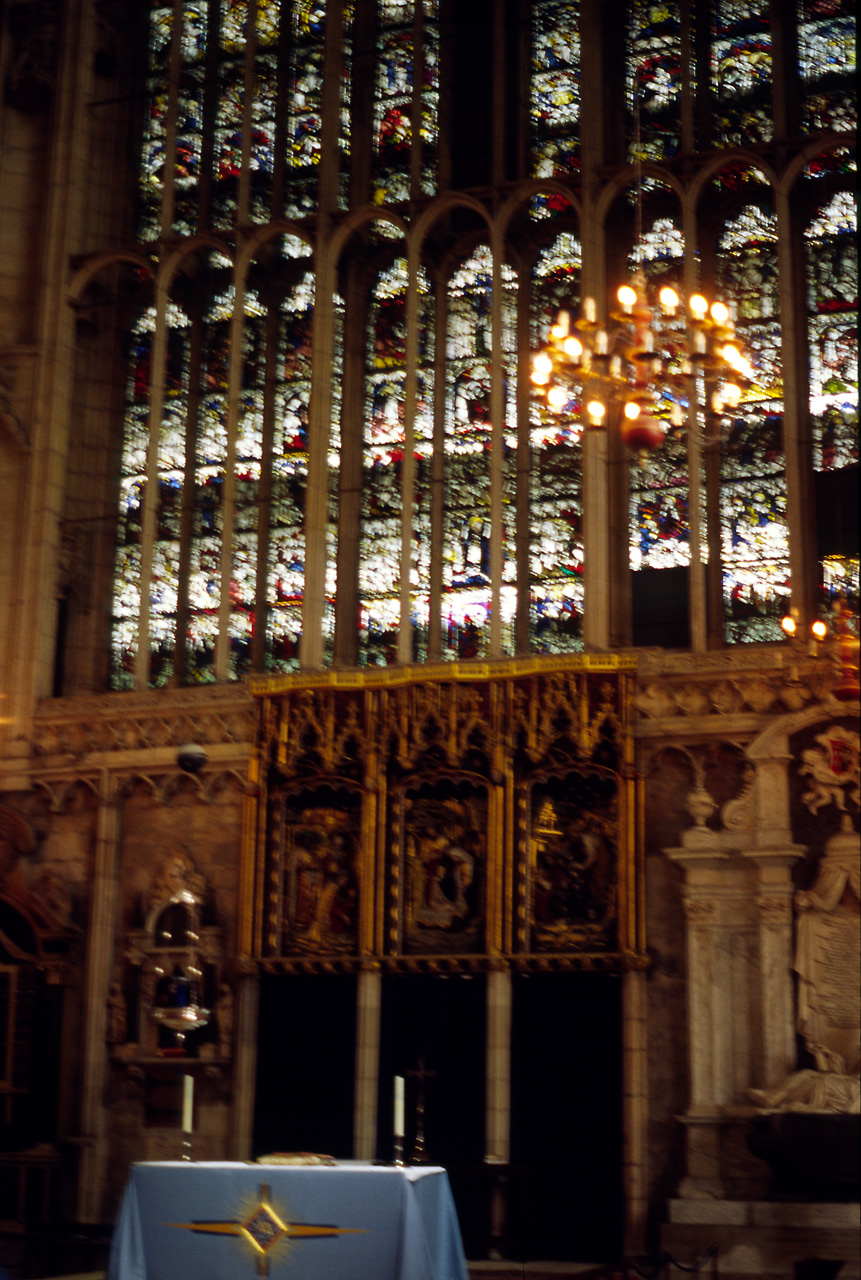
(350, 1221)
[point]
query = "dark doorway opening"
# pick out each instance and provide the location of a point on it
(440, 1021)
(565, 1197)
(306, 1064)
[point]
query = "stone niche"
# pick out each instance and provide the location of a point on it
(171, 1017)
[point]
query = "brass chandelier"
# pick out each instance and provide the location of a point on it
(649, 362)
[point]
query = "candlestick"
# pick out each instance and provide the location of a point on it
(399, 1107)
(187, 1103)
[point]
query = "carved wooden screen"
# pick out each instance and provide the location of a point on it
(472, 816)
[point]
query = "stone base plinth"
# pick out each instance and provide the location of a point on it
(758, 1238)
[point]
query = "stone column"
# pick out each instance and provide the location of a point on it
(776, 1050)
(635, 1102)
(369, 1002)
(244, 1064)
(722, 998)
(97, 979)
(497, 1127)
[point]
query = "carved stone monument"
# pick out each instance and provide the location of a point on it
(828, 947)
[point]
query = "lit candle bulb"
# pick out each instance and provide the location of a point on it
(560, 328)
(187, 1103)
(628, 297)
(669, 300)
(399, 1107)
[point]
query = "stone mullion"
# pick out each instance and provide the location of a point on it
(350, 470)
(237, 327)
(186, 526)
(497, 414)
(264, 496)
(796, 409)
(243, 194)
(523, 465)
(408, 473)
(150, 506)
(697, 569)
(440, 388)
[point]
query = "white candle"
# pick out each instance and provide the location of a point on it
(399, 1106)
(187, 1102)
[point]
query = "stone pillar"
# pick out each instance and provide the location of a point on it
(635, 1104)
(498, 1104)
(497, 1127)
(97, 980)
(722, 998)
(776, 1050)
(244, 1064)
(369, 1002)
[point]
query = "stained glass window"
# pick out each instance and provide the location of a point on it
(826, 50)
(407, 100)
(754, 536)
(216, 459)
(556, 525)
(832, 289)
(555, 91)
(468, 442)
(304, 106)
(384, 444)
(655, 79)
(269, 570)
(741, 73)
(660, 518)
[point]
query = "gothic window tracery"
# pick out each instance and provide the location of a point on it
(219, 454)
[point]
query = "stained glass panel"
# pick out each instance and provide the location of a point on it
(754, 535)
(154, 143)
(654, 74)
(826, 52)
(660, 517)
(189, 118)
(555, 92)
(741, 73)
(832, 289)
(305, 107)
(468, 442)
(556, 533)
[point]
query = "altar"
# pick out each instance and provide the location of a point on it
(226, 1221)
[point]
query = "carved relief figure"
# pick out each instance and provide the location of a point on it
(572, 871)
(117, 1015)
(321, 882)
(444, 848)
